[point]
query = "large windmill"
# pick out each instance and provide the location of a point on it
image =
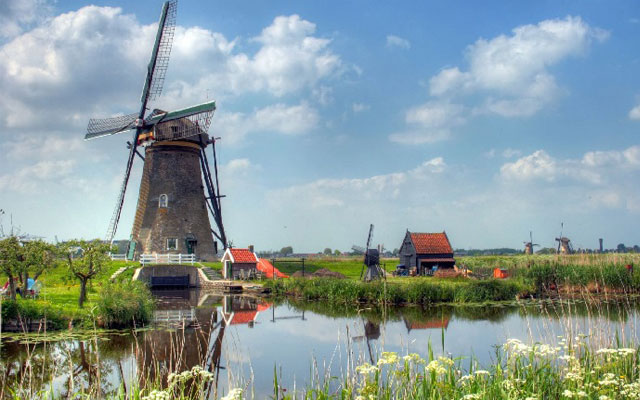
(171, 216)
(528, 246)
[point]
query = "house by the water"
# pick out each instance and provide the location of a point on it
(423, 251)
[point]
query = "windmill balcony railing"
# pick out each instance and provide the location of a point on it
(167, 259)
(118, 257)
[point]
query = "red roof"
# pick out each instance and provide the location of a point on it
(243, 317)
(431, 324)
(431, 243)
(243, 256)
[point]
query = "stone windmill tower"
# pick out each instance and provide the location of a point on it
(172, 215)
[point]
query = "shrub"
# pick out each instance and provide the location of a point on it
(125, 304)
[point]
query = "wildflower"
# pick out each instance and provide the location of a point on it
(472, 396)
(434, 366)
(388, 358)
(366, 369)
(604, 397)
(567, 393)
(234, 394)
(157, 395)
(465, 379)
(481, 372)
(413, 357)
(445, 361)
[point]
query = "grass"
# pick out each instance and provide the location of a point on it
(58, 299)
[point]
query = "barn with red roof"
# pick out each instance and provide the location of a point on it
(423, 251)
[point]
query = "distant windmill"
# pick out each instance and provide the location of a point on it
(564, 244)
(528, 246)
(371, 260)
(171, 215)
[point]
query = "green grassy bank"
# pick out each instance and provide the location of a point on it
(117, 304)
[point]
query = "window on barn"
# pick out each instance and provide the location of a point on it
(172, 244)
(163, 201)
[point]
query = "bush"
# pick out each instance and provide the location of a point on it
(125, 304)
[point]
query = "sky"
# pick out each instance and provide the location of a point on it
(486, 121)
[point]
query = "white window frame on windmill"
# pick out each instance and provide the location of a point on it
(163, 201)
(175, 244)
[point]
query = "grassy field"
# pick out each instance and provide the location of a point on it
(60, 292)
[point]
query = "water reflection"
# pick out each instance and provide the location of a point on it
(240, 339)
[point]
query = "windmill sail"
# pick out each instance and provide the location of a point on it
(99, 127)
(159, 63)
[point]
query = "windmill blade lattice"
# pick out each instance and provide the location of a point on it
(99, 127)
(160, 60)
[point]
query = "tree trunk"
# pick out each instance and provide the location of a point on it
(83, 292)
(25, 284)
(12, 288)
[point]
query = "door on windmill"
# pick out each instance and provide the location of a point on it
(191, 243)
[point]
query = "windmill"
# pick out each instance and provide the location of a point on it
(171, 214)
(564, 244)
(528, 246)
(371, 260)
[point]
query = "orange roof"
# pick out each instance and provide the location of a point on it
(431, 243)
(243, 256)
(243, 317)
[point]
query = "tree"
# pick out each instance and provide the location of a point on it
(94, 258)
(336, 252)
(37, 257)
(10, 260)
(327, 251)
(285, 251)
(621, 248)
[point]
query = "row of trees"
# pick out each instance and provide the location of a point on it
(20, 261)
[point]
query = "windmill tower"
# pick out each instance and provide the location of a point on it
(528, 246)
(172, 211)
(564, 244)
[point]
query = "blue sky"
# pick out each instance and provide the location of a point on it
(486, 121)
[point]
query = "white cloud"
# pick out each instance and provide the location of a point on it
(360, 107)
(277, 118)
(15, 15)
(429, 122)
(507, 76)
(512, 71)
(70, 68)
(29, 179)
(595, 167)
(634, 113)
(395, 41)
(509, 153)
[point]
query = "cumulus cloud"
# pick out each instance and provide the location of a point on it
(15, 15)
(71, 67)
(395, 41)
(509, 75)
(634, 113)
(595, 167)
(429, 122)
(512, 71)
(278, 118)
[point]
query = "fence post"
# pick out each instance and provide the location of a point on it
(180, 258)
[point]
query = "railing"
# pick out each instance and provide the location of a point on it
(167, 259)
(118, 257)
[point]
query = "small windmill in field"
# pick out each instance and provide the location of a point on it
(564, 244)
(528, 246)
(371, 260)
(171, 215)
